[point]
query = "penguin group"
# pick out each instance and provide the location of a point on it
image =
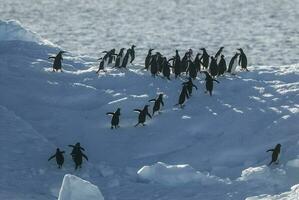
(77, 156)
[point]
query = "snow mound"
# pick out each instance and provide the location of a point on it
(75, 188)
(13, 30)
(291, 195)
(262, 174)
(174, 174)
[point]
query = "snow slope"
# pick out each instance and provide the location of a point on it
(225, 135)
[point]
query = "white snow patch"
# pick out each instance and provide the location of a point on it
(175, 174)
(75, 188)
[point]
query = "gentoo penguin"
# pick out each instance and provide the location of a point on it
(158, 103)
(204, 58)
(148, 59)
(242, 60)
(119, 58)
(218, 53)
(275, 154)
(59, 157)
(115, 118)
(142, 115)
(132, 53)
(222, 66)
(233, 64)
(213, 69)
(57, 61)
(209, 82)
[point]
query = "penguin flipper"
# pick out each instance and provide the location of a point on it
(270, 150)
(52, 157)
(85, 156)
(149, 115)
(137, 110)
(152, 100)
(109, 113)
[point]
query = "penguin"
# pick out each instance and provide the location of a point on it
(233, 64)
(159, 62)
(166, 68)
(209, 82)
(189, 84)
(158, 103)
(126, 59)
(222, 66)
(101, 65)
(205, 58)
(142, 115)
(154, 65)
(197, 62)
(177, 64)
(192, 69)
(213, 69)
(115, 118)
(59, 157)
(218, 53)
(275, 154)
(119, 58)
(76, 148)
(78, 158)
(242, 60)
(182, 97)
(184, 62)
(148, 59)
(132, 53)
(57, 61)
(111, 56)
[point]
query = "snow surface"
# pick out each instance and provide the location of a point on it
(225, 135)
(75, 188)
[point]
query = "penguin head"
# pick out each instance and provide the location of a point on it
(161, 95)
(203, 49)
(77, 144)
(146, 106)
(222, 56)
(100, 58)
(133, 46)
(278, 146)
(57, 149)
(221, 48)
(240, 49)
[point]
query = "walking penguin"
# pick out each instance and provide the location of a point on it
(78, 155)
(115, 118)
(142, 115)
(57, 61)
(275, 154)
(243, 60)
(158, 103)
(59, 157)
(209, 82)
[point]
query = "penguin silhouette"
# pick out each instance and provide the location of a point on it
(242, 60)
(233, 64)
(158, 103)
(59, 157)
(177, 64)
(166, 68)
(192, 69)
(213, 67)
(209, 82)
(189, 84)
(148, 59)
(132, 53)
(142, 115)
(57, 61)
(111, 56)
(101, 65)
(218, 53)
(126, 59)
(275, 154)
(77, 147)
(154, 65)
(183, 96)
(119, 58)
(222, 66)
(115, 118)
(204, 58)
(197, 62)
(78, 159)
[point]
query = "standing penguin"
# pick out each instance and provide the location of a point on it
(132, 53)
(209, 82)
(166, 68)
(213, 67)
(57, 61)
(154, 65)
(115, 118)
(158, 103)
(177, 64)
(142, 115)
(101, 65)
(233, 64)
(148, 59)
(111, 56)
(119, 58)
(182, 97)
(190, 86)
(243, 60)
(275, 154)
(222, 66)
(197, 62)
(218, 53)
(59, 157)
(192, 69)
(204, 58)
(126, 59)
